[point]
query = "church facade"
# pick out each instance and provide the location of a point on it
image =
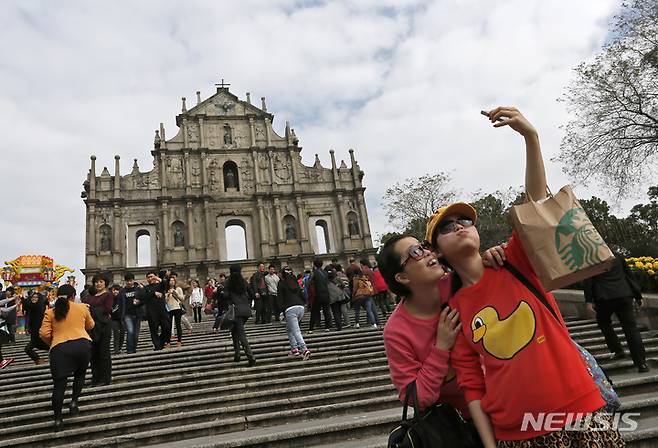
(226, 167)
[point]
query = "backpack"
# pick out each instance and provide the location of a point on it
(362, 288)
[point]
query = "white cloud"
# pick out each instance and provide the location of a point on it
(402, 82)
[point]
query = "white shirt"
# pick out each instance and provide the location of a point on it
(272, 282)
(196, 297)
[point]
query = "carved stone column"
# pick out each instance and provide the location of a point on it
(202, 133)
(303, 226)
(186, 177)
(204, 174)
(211, 235)
(342, 221)
(271, 163)
(90, 261)
(277, 216)
(163, 175)
(164, 225)
(263, 231)
(252, 132)
(117, 225)
(365, 225)
(186, 141)
(268, 132)
(191, 237)
(254, 159)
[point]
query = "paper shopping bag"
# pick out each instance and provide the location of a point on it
(559, 239)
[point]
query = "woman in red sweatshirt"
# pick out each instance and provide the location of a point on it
(532, 367)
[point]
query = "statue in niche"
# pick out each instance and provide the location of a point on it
(106, 239)
(228, 135)
(352, 224)
(229, 179)
(179, 236)
(176, 171)
(291, 231)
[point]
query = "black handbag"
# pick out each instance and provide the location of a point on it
(227, 318)
(438, 426)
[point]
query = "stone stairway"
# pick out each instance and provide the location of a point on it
(196, 396)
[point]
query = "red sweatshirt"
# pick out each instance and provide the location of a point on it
(530, 361)
(412, 355)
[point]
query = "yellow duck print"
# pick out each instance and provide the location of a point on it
(504, 338)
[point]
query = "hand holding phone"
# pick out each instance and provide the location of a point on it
(486, 114)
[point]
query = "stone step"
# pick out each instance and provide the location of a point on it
(189, 395)
(646, 404)
(632, 383)
(183, 411)
(645, 436)
(190, 423)
(207, 359)
(267, 368)
(248, 391)
(341, 431)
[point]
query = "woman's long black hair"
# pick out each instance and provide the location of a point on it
(64, 294)
(236, 283)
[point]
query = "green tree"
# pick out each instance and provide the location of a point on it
(492, 220)
(630, 236)
(410, 203)
(492, 210)
(614, 101)
(647, 214)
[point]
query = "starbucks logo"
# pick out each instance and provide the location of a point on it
(577, 241)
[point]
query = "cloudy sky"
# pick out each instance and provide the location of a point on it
(402, 82)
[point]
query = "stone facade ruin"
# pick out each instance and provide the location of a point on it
(226, 166)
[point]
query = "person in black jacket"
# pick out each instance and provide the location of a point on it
(292, 301)
(613, 292)
(156, 310)
(320, 287)
(130, 309)
(35, 308)
(118, 330)
(238, 293)
(261, 297)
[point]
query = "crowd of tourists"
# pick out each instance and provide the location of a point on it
(105, 319)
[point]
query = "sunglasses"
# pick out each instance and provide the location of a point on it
(416, 252)
(449, 226)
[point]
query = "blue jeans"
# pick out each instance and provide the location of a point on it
(132, 324)
(368, 304)
(293, 315)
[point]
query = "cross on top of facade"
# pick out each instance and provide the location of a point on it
(223, 85)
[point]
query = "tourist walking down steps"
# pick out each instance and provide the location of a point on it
(65, 329)
(292, 301)
(239, 294)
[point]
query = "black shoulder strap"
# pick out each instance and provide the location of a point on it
(520, 277)
(410, 395)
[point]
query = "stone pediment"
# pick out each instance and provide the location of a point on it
(224, 104)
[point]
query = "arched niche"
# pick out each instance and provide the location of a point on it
(231, 179)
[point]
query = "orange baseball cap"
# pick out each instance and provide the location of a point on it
(458, 208)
